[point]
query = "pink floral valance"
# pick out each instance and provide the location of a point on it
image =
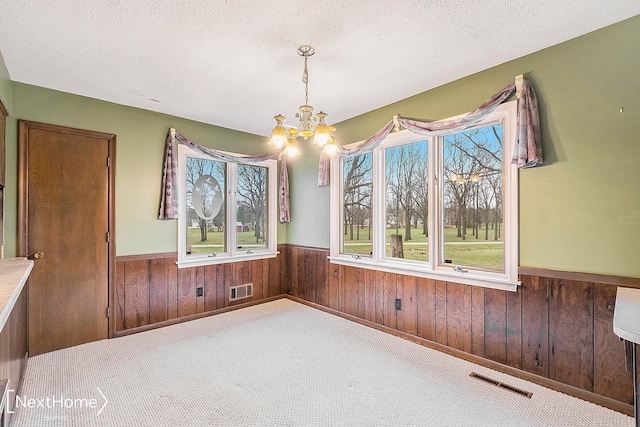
(528, 144)
(169, 196)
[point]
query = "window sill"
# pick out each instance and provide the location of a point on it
(224, 259)
(470, 278)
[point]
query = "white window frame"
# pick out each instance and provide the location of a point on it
(233, 254)
(435, 268)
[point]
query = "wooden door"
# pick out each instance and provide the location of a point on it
(65, 222)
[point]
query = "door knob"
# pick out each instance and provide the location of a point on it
(37, 255)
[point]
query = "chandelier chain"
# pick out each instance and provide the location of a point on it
(305, 80)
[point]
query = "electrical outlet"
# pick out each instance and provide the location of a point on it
(199, 291)
(398, 304)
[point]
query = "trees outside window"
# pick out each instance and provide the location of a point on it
(433, 206)
(227, 210)
(356, 207)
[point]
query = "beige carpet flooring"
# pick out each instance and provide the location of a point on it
(281, 364)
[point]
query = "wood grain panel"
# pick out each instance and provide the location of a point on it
(136, 291)
(334, 286)
(311, 276)
(229, 281)
(276, 276)
(172, 288)
(355, 284)
(293, 272)
(514, 328)
(158, 308)
(426, 316)
(610, 377)
(495, 325)
(361, 289)
(378, 279)
(389, 283)
(341, 289)
(459, 316)
(407, 318)
(222, 297)
(305, 287)
(477, 320)
(320, 277)
(535, 325)
(571, 333)
(281, 264)
(118, 310)
(186, 292)
(370, 296)
(441, 312)
(210, 287)
(200, 281)
(242, 272)
(257, 277)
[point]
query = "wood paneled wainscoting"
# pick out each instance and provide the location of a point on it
(151, 291)
(13, 351)
(557, 329)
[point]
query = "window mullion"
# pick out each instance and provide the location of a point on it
(379, 218)
(336, 215)
(435, 201)
(232, 208)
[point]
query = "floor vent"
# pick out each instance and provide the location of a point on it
(502, 385)
(240, 291)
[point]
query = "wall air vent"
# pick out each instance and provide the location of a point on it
(502, 385)
(240, 291)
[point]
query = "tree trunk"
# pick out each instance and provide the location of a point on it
(397, 250)
(486, 230)
(407, 226)
(407, 218)
(203, 230)
(463, 222)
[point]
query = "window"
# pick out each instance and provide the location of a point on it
(357, 186)
(227, 210)
(443, 207)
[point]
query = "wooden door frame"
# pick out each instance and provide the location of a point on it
(24, 126)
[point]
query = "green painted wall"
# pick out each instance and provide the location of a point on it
(139, 156)
(5, 84)
(578, 212)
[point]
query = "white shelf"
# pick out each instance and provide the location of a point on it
(626, 319)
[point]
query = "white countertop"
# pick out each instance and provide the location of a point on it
(626, 318)
(14, 273)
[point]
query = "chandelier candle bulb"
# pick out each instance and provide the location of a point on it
(322, 132)
(291, 149)
(331, 148)
(279, 133)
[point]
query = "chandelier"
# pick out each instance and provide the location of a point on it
(310, 125)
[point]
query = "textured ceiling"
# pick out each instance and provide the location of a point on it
(234, 63)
